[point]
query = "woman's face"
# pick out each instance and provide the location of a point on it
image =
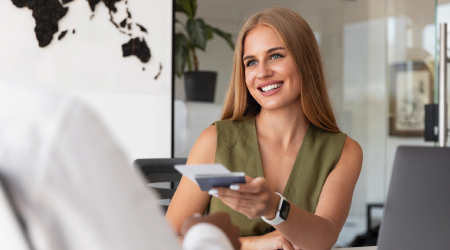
(270, 72)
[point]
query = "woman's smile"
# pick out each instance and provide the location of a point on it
(270, 87)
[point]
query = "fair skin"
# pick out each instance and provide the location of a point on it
(281, 126)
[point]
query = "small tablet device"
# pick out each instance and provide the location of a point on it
(207, 182)
(208, 176)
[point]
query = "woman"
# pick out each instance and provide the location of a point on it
(278, 127)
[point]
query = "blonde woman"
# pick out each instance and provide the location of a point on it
(279, 128)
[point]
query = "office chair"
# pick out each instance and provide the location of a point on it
(161, 175)
(370, 237)
(12, 235)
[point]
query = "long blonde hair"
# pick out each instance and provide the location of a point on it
(301, 44)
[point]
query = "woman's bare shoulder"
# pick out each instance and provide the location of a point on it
(204, 149)
(352, 155)
(352, 147)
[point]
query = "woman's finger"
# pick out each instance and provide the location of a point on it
(256, 185)
(250, 212)
(221, 191)
(240, 202)
(248, 179)
(286, 245)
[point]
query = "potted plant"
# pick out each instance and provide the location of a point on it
(199, 85)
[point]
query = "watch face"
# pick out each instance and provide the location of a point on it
(284, 211)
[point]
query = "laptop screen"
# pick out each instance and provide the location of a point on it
(417, 209)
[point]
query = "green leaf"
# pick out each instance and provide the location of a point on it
(196, 30)
(179, 7)
(193, 7)
(189, 7)
(209, 32)
(224, 35)
(181, 53)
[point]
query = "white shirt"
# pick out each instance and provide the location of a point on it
(72, 183)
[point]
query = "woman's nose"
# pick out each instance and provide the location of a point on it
(264, 70)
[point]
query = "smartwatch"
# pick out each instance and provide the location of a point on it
(281, 213)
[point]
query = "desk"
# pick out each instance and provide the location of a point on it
(357, 248)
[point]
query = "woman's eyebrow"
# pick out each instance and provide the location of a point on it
(247, 57)
(273, 49)
(268, 51)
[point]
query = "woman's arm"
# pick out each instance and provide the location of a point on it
(321, 230)
(189, 199)
(303, 229)
(269, 241)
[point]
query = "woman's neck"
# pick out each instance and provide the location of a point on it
(283, 126)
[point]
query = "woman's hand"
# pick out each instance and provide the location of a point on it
(270, 241)
(253, 199)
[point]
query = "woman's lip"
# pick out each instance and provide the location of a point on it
(261, 85)
(271, 92)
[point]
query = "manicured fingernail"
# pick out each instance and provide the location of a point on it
(197, 215)
(215, 195)
(213, 192)
(234, 187)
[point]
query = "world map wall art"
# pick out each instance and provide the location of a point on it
(48, 13)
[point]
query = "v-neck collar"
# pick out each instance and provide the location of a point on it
(260, 170)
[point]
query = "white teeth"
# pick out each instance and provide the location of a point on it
(271, 87)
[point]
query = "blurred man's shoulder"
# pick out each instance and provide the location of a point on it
(31, 100)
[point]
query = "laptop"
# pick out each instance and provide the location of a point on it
(417, 209)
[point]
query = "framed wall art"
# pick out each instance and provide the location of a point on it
(411, 87)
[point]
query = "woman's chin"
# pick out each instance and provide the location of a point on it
(272, 106)
(276, 105)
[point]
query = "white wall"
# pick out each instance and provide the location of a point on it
(365, 103)
(89, 64)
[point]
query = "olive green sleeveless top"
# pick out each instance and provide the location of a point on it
(238, 150)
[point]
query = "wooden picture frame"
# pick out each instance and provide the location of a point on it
(411, 87)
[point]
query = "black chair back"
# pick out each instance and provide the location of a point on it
(161, 175)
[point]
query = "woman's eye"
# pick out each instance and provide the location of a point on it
(275, 56)
(251, 63)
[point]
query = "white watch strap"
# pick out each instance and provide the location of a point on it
(277, 220)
